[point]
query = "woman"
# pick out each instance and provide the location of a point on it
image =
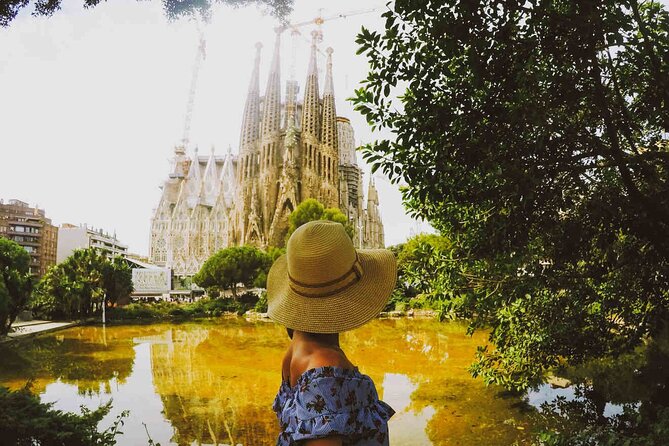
(321, 287)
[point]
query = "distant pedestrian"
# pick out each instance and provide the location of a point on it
(321, 287)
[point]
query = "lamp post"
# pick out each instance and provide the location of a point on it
(104, 306)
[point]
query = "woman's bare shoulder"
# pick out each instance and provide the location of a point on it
(315, 358)
(328, 357)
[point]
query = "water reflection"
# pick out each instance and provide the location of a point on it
(213, 382)
(621, 400)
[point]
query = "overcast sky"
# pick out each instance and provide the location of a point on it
(93, 101)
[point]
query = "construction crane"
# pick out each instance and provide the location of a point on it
(318, 21)
(318, 33)
(200, 56)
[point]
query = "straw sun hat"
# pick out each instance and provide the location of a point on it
(324, 285)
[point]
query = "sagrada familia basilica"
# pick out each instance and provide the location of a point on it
(289, 151)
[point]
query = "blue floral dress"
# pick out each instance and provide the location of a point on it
(332, 401)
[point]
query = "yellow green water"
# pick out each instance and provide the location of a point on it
(213, 382)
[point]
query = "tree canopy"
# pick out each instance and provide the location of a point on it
(229, 267)
(311, 210)
(530, 134)
(173, 8)
(76, 288)
(15, 282)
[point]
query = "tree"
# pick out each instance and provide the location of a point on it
(529, 133)
(76, 288)
(117, 279)
(15, 282)
(311, 210)
(229, 267)
(173, 8)
(416, 269)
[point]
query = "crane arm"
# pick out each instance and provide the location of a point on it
(320, 20)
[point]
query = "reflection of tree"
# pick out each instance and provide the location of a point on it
(638, 382)
(84, 356)
(217, 382)
(435, 356)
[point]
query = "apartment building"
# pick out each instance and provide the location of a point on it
(30, 228)
(73, 237)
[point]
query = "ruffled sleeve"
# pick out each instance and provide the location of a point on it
(332, 401)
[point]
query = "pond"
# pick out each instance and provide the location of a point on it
(213, 382)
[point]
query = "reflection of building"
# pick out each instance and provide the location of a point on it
(71, 237)
(289, 150)
(30, 228)
(217, 383)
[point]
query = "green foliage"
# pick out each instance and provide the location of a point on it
(117, 279)
(309, 210)
(174, 9)
(529, 134)
(261, 305)
(420, 280)
(15, 282)
(202, 308)
(25, 421)
(312, 210)
(76, 288)
(231, 266)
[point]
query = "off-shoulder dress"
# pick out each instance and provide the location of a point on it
(329, 401)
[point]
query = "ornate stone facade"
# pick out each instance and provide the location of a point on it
(288, 151)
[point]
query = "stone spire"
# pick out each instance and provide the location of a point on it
(251, 121)
(329, 120)
(372, 194)
(373, 226)
(311, 109)
(271, 121)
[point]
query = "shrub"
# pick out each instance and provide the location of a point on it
(261, 305)
(25, 421)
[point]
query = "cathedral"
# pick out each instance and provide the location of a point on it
(289, 151)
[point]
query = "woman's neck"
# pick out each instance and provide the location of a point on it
(330, 340)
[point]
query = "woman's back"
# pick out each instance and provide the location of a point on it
(321, 287)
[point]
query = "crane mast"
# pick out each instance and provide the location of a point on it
(200, 56)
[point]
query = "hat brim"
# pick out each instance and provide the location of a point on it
(343, 311)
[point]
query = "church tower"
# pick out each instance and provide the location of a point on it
(311, 116)
(270, 142)
(350, 178)
(373, 226)
(329, 192)
(288, 152)
(248, 162)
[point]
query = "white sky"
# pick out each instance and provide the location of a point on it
(93, 101)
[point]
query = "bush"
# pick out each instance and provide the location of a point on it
(261, 305)
(248, 298)
(25, 421)
(134, 311)
(396, 299)
(178, 312)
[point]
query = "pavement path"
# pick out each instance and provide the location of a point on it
(32, 328)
